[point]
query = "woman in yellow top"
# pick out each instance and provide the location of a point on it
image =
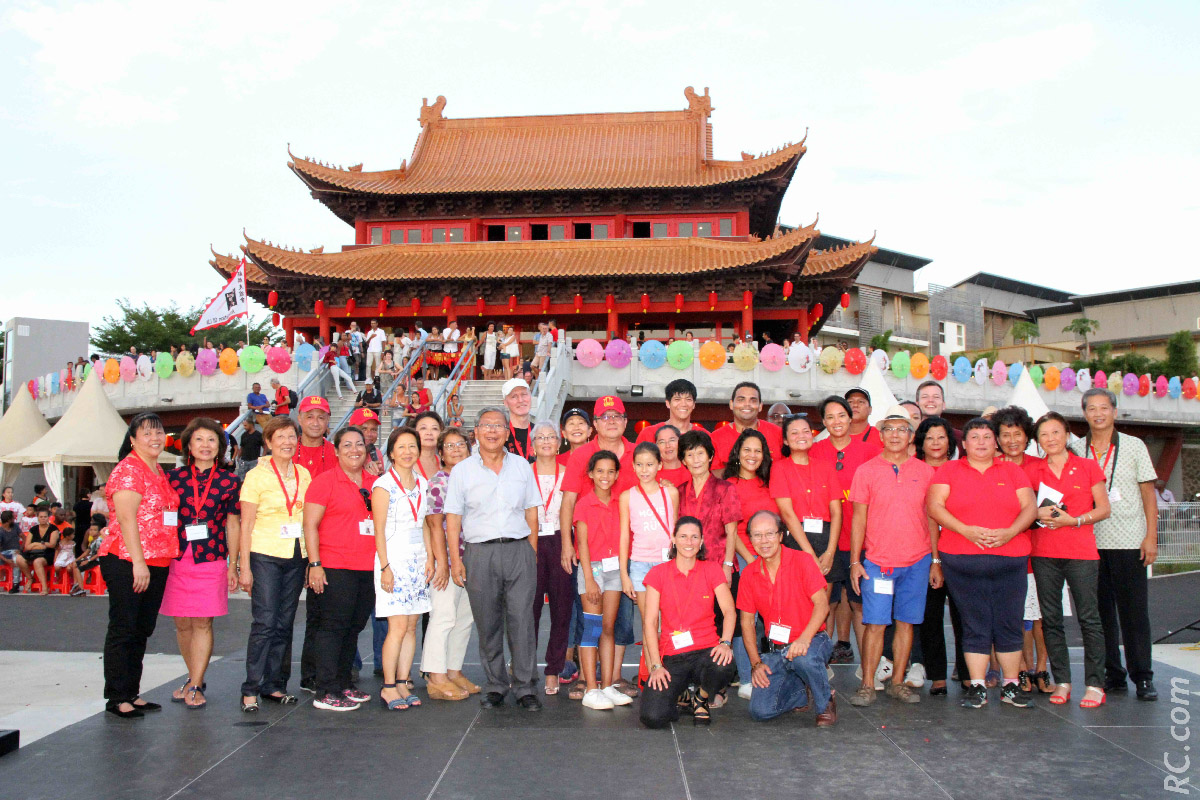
(273, 562)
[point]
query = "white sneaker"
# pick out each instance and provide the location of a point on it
(597, 699)
(616, 696)
(745, 690)
(915, 676)
(883, 673)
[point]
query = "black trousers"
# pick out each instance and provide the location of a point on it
(660, 707)
(1125, 615)
(312, 624)
(346, 606)
(273, 602)
(933, 635)
(131, 620)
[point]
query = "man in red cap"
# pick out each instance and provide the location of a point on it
(368, 421)
(316, 454)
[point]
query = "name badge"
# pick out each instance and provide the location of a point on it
(290, 530)
(610, 564)
(366, 527)
(546, 529)
(666, 554)
(196, 533)
(1114, 495)
(883, 586)
(681, 639)
(780, 634)
(171, 518)
(813, 525)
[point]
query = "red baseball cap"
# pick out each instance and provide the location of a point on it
(363, 415)
(608, 403)
(313, 401)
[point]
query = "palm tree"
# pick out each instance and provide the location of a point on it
(1082, 326)
(1025, 331)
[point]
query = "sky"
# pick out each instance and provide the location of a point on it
(1049, 142)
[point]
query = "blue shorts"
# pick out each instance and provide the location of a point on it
(638, 570)
(906, 603)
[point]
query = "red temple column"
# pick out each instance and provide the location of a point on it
(748, 317)
(613, 324)
(802, 324)
(324, 318)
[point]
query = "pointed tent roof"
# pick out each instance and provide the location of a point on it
(90, 432)
(22, 424)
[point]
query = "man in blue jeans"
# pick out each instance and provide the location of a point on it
(786, 588)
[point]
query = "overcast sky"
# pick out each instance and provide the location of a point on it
(1052, 142)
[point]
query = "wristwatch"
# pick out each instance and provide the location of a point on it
(728, 563)
(936, 561)
(314, 564)
(726, 642)
(655, 666)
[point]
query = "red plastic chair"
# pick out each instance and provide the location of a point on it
(93, 581)
(6, 577)
(63, 582)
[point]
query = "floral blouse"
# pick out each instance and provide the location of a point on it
(437, 502)
(215, 508)
(158, 539)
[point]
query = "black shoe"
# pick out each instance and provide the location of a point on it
(378, 672)
(1146, 691)
(280, 699)
(530, 703)
(115, 710)
(935, 691)
(975, 696)
(492, 700)
(146, 705)
(308, 686)
(1114, 686)
(842, 654)
(1014, 695)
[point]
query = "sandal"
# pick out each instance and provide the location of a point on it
(399, 704)
(717, 699)
(1044, 684)
(700, 710)
(180, 694)
(685, 702)
(281, 699)
(1061, 699)
(1088, 702)
(410, 698)
(550, 690)
(577, 691)
(251, 707)
(445, 690)
(190, 703)
(626, 688)
(1025, 679)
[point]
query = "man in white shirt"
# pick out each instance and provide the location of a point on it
(541, 348)
(375, 339)
(451, 334)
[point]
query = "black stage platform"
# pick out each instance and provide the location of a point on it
(457, 750)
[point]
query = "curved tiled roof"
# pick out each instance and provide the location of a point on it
(543, 259)
(654, 149)
(845, 259)
(227, 265)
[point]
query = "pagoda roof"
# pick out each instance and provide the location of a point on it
(614, 151)
(847, 259)
(227, 265)
(546, 259)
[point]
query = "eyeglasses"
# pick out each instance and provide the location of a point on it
(886, 429)
(764, 535)
(610, 418)
(454, 446)
(545, 438)
(492, 426)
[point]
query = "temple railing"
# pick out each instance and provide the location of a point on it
(550, 387)
(315, 377)
(416, 361)
(447, 396)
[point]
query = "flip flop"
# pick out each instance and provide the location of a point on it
(193, 706)
(182, 698)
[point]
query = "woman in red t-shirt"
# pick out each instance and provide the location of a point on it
(808, 493)
(666, 438)
(985, 506)
(1064, 549)
(135, 558)
(679, 603)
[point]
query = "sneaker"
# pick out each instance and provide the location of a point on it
(308, 686)
(334, 702)
(745, 690)
(599, 700)
(898, 691)
(915, 677)
(356, 695)
(842, 654)
(78, 591)
(1014, 695)
(975, 696)
(883, 673)
(863, 697)
(617, 697)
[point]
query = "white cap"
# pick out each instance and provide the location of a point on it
(510, 384)
(896, 412)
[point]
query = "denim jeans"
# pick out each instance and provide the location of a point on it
(273, 602)
(792, 679)
(623, 634)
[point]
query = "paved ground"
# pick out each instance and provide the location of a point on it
(455, 750)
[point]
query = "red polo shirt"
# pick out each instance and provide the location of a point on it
(576, 479)
(988, 499)
(897, 526)
(603, 521)
(811, 487)
(754, 496)
(1078, 477)
(724, 437)
(854, 455)
(342, 546)
(317, 459)
(685, 603)
(675, 476)
(650, 431)
(786, 600)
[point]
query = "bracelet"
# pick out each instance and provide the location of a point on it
(728, 563)
(756, 665)
(312, 564)
(936, 561)
(385, 566)
(725, 642)
(856, 563)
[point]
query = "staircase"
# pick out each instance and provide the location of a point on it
(475, 395)
(340, 407)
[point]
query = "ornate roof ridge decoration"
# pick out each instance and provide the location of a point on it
(227, 265)
(840, 261)
(608, 150)
(534, 260)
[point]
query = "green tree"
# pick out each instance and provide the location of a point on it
(1024, 330)
(1181, 355)
(148, 328)
(882, 341)
(1082, 326)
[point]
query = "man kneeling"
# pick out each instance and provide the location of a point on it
(787, 589)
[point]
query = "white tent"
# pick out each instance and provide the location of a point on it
(882, 398)
(21, 426)
(89, 434)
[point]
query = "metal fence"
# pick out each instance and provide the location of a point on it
(1178, 533)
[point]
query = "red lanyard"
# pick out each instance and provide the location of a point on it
(290, 502)
(517, 445)
(666, 507)
(170, 499)
(199, 500)
(415, 509)
(423, 475)
(549, 498)
(1107, 456)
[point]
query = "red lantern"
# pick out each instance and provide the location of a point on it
(272, 298)
(382, 306)
(610, 302)
(817, 312)
(479, 306)
(350, 306)
(678, 303)
(645, 303)
(545, 304)
(319, 308)
(416, 305)
(578, 304)
(845, 299)
(747, 298)
(787, 289)
(275, 319)
(447, 302)
(641, 424)
(512, 302)
(712, 301)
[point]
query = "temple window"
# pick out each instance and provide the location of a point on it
(514, 233)
(558, 232)
(495, 233)
(685, 229)
(439, 235)
(414, 235)
(376, 235)
(539, 232)
(641, 230)
(599, 231)
(396, 236)
(702, 229)
(456, 234)
(583, 230)
(726, 227)
(660, 230)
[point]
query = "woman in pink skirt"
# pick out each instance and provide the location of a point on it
(200, 580)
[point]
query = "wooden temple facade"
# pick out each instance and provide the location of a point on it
(600, 221)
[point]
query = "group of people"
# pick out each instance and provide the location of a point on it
(39, 537)
(753, 555)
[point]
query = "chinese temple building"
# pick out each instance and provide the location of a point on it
(601, 221)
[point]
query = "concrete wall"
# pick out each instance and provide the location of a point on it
(34, 347)
(1157, 317)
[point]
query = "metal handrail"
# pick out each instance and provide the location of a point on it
(418, 354)
(234, 428)
(452, 384)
